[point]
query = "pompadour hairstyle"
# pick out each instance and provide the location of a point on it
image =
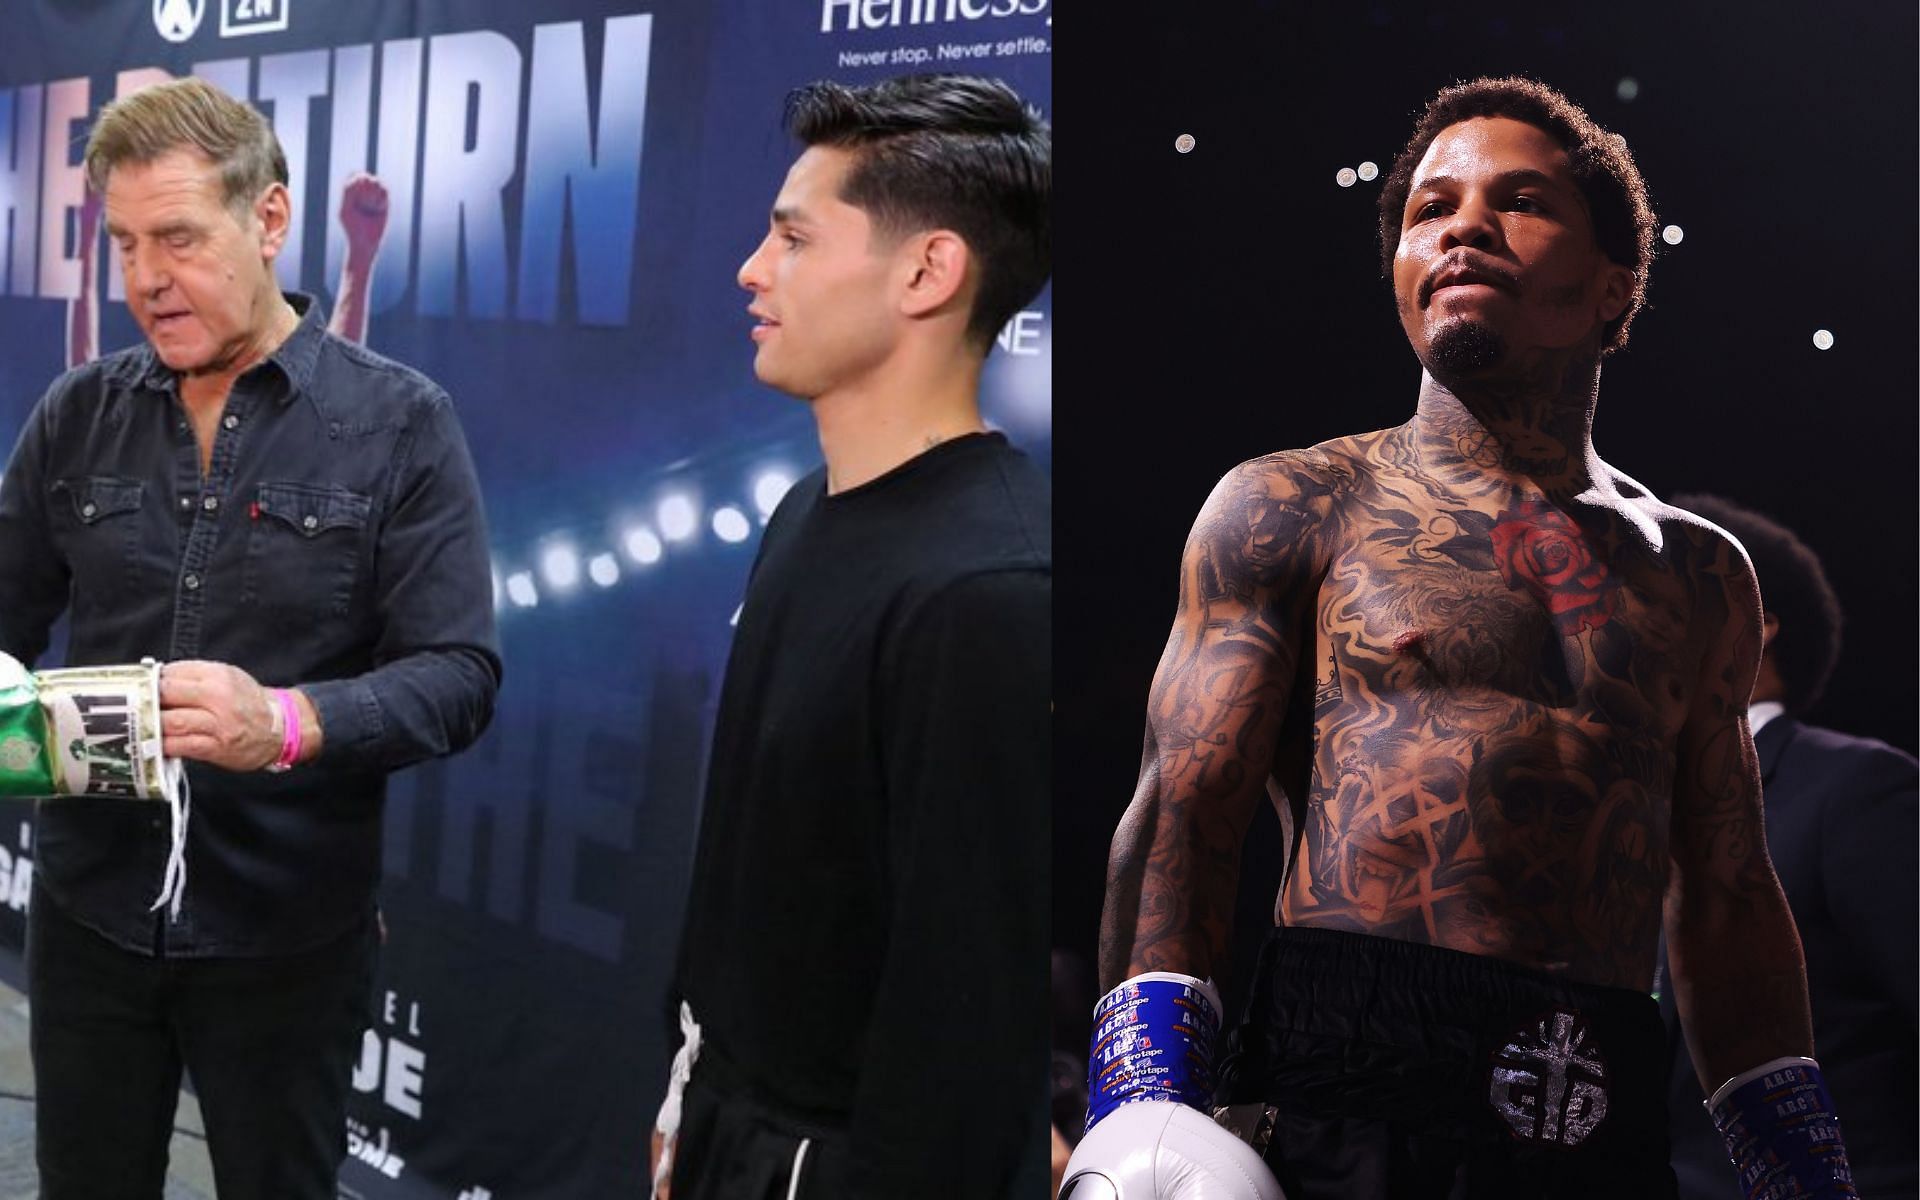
(946, 152)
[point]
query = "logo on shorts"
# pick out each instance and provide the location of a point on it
(178, 19)
(1550, 1080)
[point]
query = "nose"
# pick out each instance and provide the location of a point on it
(753, 272)
(145, 270)
(1473, 224)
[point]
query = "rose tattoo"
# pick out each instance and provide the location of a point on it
(1540, 550)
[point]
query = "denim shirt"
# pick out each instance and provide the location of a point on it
(335, 543)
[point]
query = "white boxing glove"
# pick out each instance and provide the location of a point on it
(1159, 1150)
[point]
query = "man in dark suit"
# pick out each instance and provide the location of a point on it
(1841, 831)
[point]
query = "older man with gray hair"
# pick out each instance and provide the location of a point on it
(292, 525)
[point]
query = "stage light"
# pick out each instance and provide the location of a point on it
(1627, 89)
(603, 570)
(1672, 235)
(1368, 172)
(1822, 339)
(768, 489)
(1184, 143)
(677, 518)
(1345, 176)
(561, 567)
(731, 524)
(520, 589)
(642, 545)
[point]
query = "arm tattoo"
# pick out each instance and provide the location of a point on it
(1215, 711)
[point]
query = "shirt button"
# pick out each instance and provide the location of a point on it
(230, 421)
(186, 502)
(309, 522)
(192, 582)
(88, 509)
(210, 503)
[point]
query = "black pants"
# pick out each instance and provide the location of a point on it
(1400, 1070)
(269, 1042)
(735, 1146)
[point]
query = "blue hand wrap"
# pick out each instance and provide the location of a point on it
(1153, 1040)
(1781, 1132)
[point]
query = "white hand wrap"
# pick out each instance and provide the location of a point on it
(667, 1123)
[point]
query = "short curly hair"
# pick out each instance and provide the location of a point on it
(1602, 166)
(1793, 589)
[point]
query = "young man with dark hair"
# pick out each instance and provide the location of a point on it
(1843, 818)
(863, 969)
(1500, 691)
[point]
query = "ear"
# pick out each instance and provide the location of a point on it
(1616, 290)
(1769, 629)
(936, 264)
(273, 209)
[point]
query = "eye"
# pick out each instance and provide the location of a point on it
(1526, 204)
(1429, 210)
(793, 240)
(179, 241)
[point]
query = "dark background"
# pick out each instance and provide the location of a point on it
(1242, 309)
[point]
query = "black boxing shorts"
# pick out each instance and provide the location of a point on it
(1403, 1071)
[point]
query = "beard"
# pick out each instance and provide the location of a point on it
(1464, 347)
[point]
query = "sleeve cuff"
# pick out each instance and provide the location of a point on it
(350, 724)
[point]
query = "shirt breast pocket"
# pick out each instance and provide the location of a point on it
(303, 550)
(96, 524)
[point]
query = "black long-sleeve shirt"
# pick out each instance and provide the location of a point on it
(336, 543)
(866, 939)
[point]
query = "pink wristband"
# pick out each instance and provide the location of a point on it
(289, 730)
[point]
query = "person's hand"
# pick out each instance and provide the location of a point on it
(363, 214)
(215, 713)
(1062, 1154)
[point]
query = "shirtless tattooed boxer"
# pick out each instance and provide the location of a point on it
(1498, 691)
